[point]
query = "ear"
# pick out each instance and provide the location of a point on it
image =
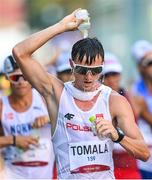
(71, 63)
(101, 78)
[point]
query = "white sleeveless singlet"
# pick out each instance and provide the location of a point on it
(36, 162)
(79, 153)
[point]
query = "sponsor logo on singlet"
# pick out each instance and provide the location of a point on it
(76, 127)
(69, 116)
(37, 108)
(9, 116)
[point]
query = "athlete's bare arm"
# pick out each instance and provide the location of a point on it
(133, 141)
(144, 111)
(32, 70)
(123, 117)
(47, 85)
(140, 108)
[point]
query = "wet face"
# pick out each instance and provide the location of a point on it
(20, 87)
(112, 80)
(87, 76)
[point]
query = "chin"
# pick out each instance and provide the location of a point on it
(87, 88)
(22, 94)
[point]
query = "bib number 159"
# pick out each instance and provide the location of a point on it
(91, 158)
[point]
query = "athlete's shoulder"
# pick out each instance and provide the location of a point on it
(117, 101)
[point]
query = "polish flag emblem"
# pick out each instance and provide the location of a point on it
(9, 116)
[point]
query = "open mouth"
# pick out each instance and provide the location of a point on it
(87, 82)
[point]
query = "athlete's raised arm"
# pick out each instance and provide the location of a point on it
(31, 69)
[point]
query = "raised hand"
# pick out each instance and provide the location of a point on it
(40, 121)
(70, 22)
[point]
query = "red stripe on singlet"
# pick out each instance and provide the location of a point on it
(31, 163)
(91, 168)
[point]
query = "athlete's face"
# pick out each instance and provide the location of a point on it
(87, 76)
(113, 80)
(19, 86)
(147, 66)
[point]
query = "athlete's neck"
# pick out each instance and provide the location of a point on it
(91, 89)
(82, 95)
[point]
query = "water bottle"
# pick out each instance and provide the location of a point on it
(85, 26)
(93, 127)
(35, 133)
(92, 119)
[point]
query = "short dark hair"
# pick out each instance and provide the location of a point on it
(89, 47)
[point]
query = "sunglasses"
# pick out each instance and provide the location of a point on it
(146, 62)
(80, 69)
(14, 78)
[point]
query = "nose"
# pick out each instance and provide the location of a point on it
(88, 75)
(21, 79)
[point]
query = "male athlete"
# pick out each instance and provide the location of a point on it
(80, 153)
(27, 152)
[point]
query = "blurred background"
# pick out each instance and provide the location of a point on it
(116, 23)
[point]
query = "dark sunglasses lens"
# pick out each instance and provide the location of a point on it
(146, 62)
(96, 70)
(15, 78)
(150, 63)
(81, 70)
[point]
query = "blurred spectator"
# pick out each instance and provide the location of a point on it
(125, 165)
(60, 62)
(4, 86)
(63, 68)
(142, 54)
(13, 27)
(28, 151)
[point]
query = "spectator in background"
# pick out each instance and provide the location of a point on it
(60, 62)
(125, 165)
(142, 54)
(27, 152)
(4, 86)
(63, 68)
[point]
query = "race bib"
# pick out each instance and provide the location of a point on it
(35, 155)
(90, 156)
